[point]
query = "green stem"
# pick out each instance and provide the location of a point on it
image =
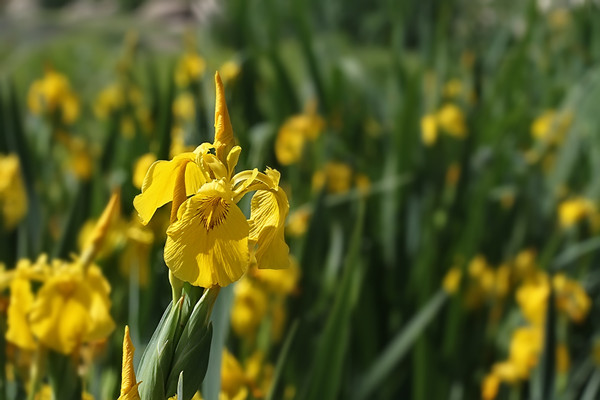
(36, 369)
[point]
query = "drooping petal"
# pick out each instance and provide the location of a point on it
(21, 300)
(269, 208)
(102, 323)
(159, 184)
(208, 244)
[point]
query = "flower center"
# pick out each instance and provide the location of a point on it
(213, 211)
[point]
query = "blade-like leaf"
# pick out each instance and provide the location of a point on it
(398, 347)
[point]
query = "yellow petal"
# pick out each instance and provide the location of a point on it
(269, 209)
(128, 380)
(289, 145)
(21, 301)
(223, 128)
(102, 323)
(97, 236)
(133, 394)
(159, 184)
(208, 244)
(60, 317)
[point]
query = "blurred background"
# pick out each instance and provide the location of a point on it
(441, 159)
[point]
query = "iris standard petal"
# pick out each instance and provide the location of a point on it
(159, 183)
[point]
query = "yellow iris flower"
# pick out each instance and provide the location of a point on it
(13, 197)
(72, 307)
(209, 240)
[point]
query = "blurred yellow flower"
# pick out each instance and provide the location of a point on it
(573, 210)
(289, 145)
(109, 100)
(502, 280)
(525, 263)
(140, 168)
(209, 240)
(229, 71)
(282, 282)
(70, 109)
(184, 107)
(508, 371)
(21, 302)
(551, 126)
(249, 308)
(452, 120)
(477, 266)
(80, 160)
(45, 393)
(490, 386)
(337, 176)
(233, 379)
(571, 298)
(451, 282)
(295, 131)
(189, 69)
(72, 307)
(532, 298)
(453, 88)
(13, 199)
(135, 257)
(525, 347)
(298, 222)
(52, 94)
(429, 129)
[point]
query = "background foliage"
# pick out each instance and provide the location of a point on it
(369, 317)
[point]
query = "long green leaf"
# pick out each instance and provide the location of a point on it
(281, 361)
(398, 347)
(326, 372)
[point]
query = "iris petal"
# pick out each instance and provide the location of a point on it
(159, 184)
(208, 244)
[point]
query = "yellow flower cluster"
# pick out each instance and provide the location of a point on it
(13, 199)
(295, 132)
(70, 308)
(131, 240)
(45, 393)
(262, 293)
(548, 130)
(52, 96)
(485, 283)
(449, 118)
(125, 100)
(190, 68)
(574, 210)
(551, 126)
(526, 345)
(209, 241)
(338, 178)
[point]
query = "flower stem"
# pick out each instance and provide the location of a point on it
(36, 372)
